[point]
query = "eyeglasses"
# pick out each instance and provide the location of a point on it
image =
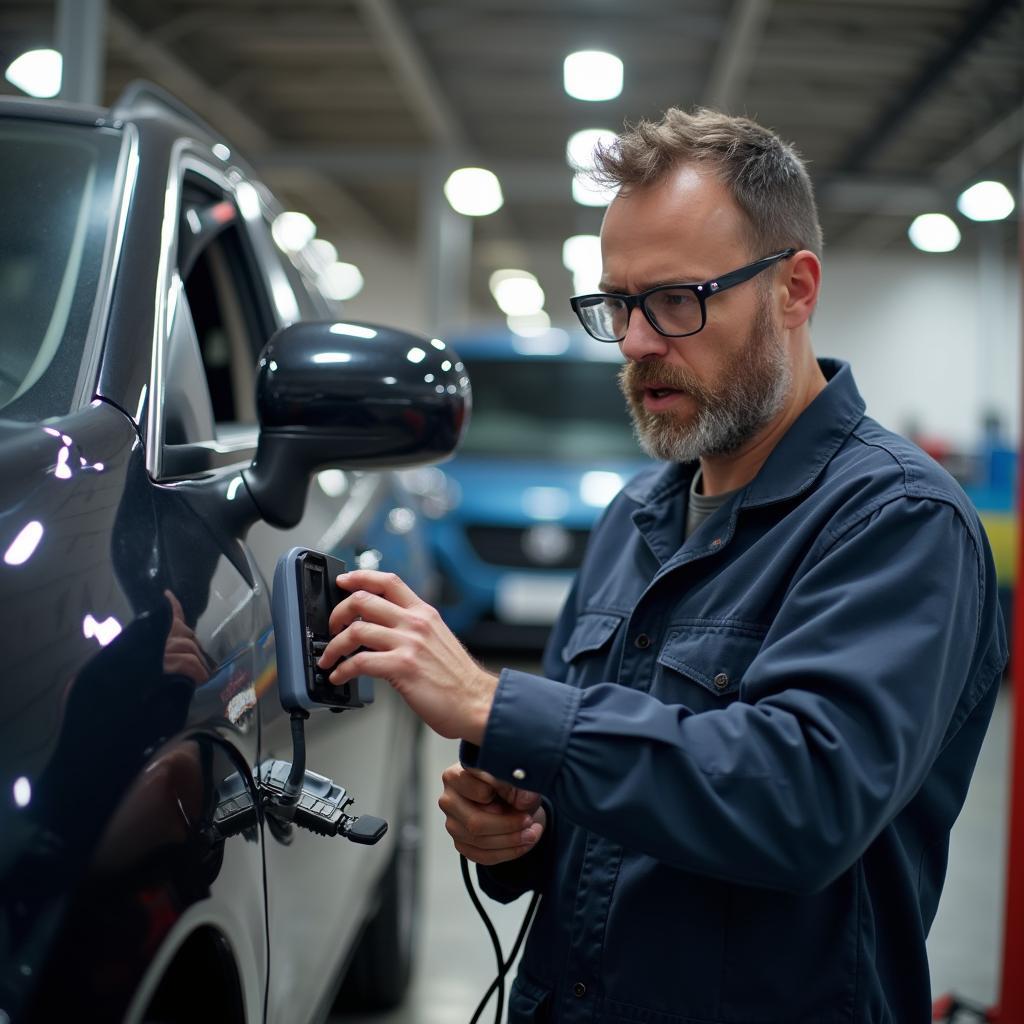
(673, 310)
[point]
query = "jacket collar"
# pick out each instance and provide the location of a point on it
(794, 463)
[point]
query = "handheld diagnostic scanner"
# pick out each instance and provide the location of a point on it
(304, 595)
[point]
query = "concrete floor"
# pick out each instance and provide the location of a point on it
(456, 964)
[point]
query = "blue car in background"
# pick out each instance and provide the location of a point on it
(548, 446)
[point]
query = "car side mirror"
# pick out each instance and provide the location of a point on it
(351, 396)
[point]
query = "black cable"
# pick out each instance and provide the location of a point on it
(297, 776)
(527, 921)
(499, 956)
(503, 965)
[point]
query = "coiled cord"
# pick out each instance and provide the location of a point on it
(503, 964)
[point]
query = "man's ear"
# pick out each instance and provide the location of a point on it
(801, 279)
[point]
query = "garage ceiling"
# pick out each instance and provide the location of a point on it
(347, 106)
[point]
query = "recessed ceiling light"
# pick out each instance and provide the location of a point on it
(580, 250)
(506, 274)
(579, 150)
(293, 231)
(37, 72)
(341, 281)
(592, 75)
(987, 200)
(324, 251)
(588, 192)
(582, 255)
(519, 296)
(473, 192)
(934, 232)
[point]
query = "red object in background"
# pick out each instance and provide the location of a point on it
(1011, 989)
(1010, 1009)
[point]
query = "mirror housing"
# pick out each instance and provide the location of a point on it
(351, 396)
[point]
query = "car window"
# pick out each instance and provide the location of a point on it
(312, 304)
(57, 201)
(228, 307)
(551, 409)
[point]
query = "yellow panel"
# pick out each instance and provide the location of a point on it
(1001, 528)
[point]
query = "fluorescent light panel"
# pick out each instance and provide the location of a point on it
(986, 200)
(934, 232)
(592, 75)
(37, 72)
(473, 192)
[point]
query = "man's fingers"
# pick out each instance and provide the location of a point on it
(482, 787)
(521, 799)
(359, 634)
(479, 821)
(176, 610)
(362, 604)
(490, 857)
(386, 584)
(521, 837)
(471, 784)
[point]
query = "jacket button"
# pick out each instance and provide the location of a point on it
(579, 990)
(643, 641)
(721, 681)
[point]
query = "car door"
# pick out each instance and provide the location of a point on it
(321, 891)
(228, 293)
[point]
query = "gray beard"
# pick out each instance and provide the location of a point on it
(757, 382)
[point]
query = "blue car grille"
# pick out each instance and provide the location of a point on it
(509, 546)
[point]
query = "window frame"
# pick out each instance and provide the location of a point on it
(237, 447)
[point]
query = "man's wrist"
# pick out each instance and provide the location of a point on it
(481, 710)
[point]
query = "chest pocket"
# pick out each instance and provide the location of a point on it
(703, 668)
(587, 650)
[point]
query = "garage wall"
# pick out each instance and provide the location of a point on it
(930, 341)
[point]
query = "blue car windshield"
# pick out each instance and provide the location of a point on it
(566, 410)
(57, 184)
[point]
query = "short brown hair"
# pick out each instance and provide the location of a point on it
(765, 175)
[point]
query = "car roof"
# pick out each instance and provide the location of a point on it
(139, 101)
(52, 110)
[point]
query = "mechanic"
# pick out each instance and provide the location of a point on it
(763, 701)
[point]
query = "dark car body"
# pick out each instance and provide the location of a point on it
(140, 695)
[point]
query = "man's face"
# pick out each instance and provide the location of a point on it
(709, 393)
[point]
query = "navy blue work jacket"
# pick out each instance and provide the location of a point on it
(754, 744)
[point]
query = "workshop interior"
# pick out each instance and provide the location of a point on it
(285, 295)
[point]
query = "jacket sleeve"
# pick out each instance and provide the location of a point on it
(845, 708)
(508, 881)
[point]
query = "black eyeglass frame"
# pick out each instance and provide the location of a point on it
(703, 291)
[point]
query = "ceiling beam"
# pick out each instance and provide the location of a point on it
(735, 55)
(932, 75)
(422, 89)
(169, 70)
(547, 180)
(985, 148)
(989, 145)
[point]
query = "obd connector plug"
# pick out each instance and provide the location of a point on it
(305, 593)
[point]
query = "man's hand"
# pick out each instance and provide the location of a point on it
(182, 654)
(406, 642)
(489, 821)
